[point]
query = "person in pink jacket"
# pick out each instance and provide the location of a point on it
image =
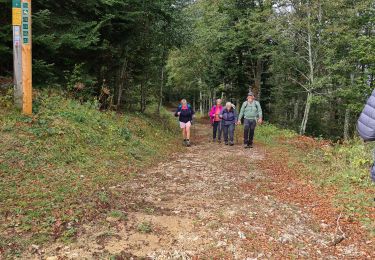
(216, 120)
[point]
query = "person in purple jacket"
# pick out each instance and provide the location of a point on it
(366, 125)
(229, 120)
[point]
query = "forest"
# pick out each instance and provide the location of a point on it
(99, 169)
(310, 63)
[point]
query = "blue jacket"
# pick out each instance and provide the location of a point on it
(229, 117)
(366, 122)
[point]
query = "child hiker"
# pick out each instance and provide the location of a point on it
(185, 115)
(216, 120)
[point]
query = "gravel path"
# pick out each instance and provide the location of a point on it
(201, 204)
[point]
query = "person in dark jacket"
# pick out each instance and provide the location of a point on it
(185, 115)
(229, 120)
(366, 125)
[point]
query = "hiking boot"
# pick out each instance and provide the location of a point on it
(184, 142)
(251, 146)
(188, 144)
(231, 144)
(246, 146)
(219, 141)
(226, 143)
(214, 140)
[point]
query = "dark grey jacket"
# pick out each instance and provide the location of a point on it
(366, 122)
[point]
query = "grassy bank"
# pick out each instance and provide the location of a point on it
(340, 170)
(57, 167)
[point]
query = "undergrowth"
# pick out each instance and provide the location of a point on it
(342, 168)
(57, 167)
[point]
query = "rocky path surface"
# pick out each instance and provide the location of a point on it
(207, 202)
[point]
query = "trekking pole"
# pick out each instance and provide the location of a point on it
(236, 133)
(194, 130)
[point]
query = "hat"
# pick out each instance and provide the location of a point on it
(250, 93)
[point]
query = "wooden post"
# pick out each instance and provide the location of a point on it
(22, 55)
(17, 52)
(26, 58)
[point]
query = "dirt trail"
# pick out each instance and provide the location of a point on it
(198, 205)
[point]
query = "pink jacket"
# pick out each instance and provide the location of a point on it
(212, 113)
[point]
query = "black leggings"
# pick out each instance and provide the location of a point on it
(217, 129)
(249, 131)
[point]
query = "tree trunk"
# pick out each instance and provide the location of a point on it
(121, 83)
(210, 98)
(347, 124)
(143, 97)
(306, 113)
(161, 90)
(200, 102)
(311, 77)
(258, 79)
(296, 110)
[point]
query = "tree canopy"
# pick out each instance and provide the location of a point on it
(310, 63)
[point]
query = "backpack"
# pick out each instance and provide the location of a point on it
(180, 106)
(179, 109)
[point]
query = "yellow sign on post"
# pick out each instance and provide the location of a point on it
(26, 58)
(17, 16)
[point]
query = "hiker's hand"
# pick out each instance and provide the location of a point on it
(179, 113)
(260, 121)
(239, 122)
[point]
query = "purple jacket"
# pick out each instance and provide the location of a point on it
(366, 122)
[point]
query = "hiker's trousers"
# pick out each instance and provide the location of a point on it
(229, 132)
(249, 131)
(217, 130)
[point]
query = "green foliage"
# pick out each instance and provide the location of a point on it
(341, 168)
(145, 227)
(6, 98)
(311, 66)
(66, 154)
(123, 43)
(116, 214)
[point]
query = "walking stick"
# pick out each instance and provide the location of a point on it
(236, 133)
(193, 133)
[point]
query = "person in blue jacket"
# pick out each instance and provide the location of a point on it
(229, 121)
(366, 125)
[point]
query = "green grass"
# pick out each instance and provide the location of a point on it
(341, 167)
(145, 227)
(57, 166)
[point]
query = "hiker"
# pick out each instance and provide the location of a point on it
(366, 125)
(229, 120)
(216, 120)
(252, 113)
(185, 114)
